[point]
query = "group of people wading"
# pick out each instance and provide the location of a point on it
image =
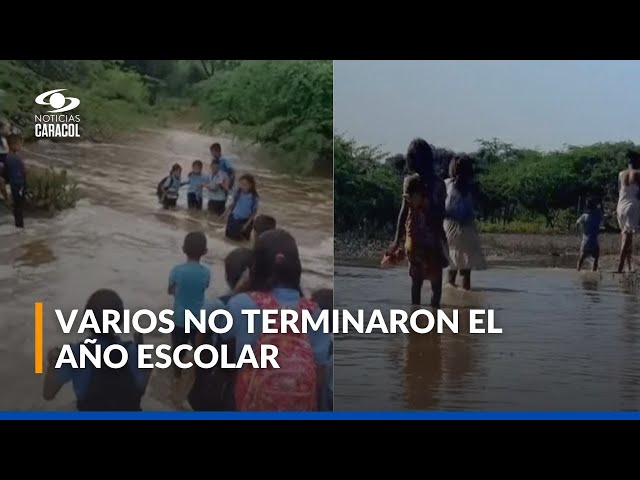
(437, 221)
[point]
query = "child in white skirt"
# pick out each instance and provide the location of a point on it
(462, 235)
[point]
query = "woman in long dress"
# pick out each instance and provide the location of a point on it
(628, 210)
(459, 224)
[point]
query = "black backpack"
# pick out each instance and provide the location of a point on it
(160, 187)
(112, 390)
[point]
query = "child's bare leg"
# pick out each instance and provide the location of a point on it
(596, 257)
(436, 290)
(581, 260)
(466, 279)
(452, 276)
(416, 290)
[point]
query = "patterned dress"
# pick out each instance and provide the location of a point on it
(425, 242)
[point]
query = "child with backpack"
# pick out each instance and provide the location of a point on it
(169, 187)
(100, 389)
(303, 358)
(243, 209)
(463, 240)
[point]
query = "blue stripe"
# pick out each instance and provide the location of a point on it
(319, 415)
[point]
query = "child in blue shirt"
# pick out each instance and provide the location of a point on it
(277, 270)
(197, 181)
(218, 188)
(225, 164)
(243, 210)
(188, 283)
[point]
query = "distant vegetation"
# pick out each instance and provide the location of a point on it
(285, 106)
(518, 190)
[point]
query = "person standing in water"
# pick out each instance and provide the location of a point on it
(243, 210)
(169, 187)
(421, 221)
(628, 210)
(590, 223)
(14, 172)
(225, 164)
(465, 253)
(218, 188)
(197, 181)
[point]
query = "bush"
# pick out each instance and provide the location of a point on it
(285, 106)
(50, 190)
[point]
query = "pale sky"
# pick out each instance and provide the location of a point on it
(539, 104)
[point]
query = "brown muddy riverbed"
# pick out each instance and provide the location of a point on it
(118, 237)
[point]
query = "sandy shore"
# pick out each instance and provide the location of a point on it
(543, 250)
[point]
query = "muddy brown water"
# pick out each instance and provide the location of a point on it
(118, 237)
(570, 341)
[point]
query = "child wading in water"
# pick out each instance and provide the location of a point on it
(590, 223)
(243, 210)
(169, 187)
(13, 170)
(421, 219)
(197, 181)
(218, 188)
(459, 224)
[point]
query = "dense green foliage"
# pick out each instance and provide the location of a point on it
(285, 106)
(518, 190)
(112, 98)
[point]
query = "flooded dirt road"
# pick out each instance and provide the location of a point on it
(570, 341)
(118, 237)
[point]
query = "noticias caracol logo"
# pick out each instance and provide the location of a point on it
(57, 126)
(57, 101)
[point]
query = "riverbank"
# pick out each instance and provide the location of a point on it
(498, 247)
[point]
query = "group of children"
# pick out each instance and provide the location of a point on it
(438, 222)
(239, 205)
(266, 276)
(12, 173)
